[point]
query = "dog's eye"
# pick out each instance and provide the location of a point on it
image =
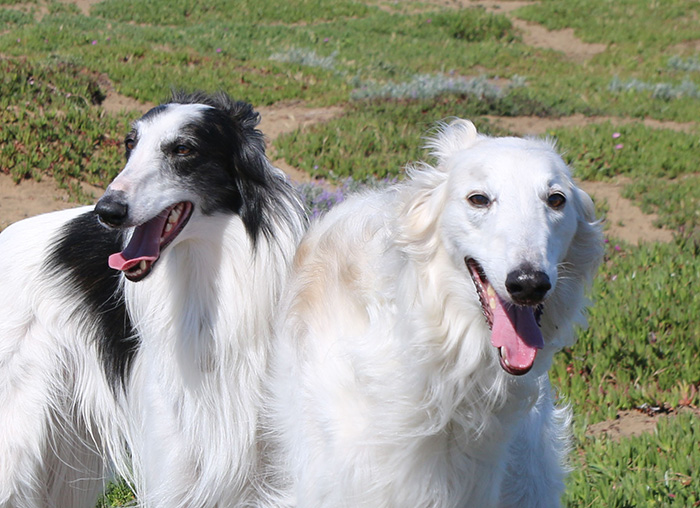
(479, 200)
(129, 144)
(183, 150)
(556, 201)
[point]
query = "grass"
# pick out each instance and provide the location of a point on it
(397, 68)
(648, 26)
(648, 471)
(632, 353)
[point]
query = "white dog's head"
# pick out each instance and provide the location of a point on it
(510, 216)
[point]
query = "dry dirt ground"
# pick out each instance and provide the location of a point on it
(625, 220)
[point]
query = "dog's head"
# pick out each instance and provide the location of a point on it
(514, 222)
(195, 155)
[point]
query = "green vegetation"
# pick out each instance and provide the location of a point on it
(648, 25)
(647, 471)
(638, 340)
(397, 69)
(51, 127)
(376, 138)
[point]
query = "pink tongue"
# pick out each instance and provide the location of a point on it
(516, 331)
(143, 246)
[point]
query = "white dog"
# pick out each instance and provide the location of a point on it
(418, 328)
(154, 332)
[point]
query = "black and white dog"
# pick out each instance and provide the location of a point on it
(153, 331)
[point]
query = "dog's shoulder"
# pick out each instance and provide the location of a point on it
(77, 262)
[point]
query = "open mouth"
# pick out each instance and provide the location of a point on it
(148, 241)
(515, 329)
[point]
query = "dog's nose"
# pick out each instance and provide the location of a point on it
(528, 286)
(112, 209)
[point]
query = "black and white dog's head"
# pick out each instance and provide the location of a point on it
(195, 154)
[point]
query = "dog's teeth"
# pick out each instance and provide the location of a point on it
(492, 303)
(490, 291)
(168, 227)
(501, 353)
(142, 265)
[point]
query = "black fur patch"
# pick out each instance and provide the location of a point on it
(78, 260)
(230, 169)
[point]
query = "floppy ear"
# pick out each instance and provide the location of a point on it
(257, 181)
(451, 138)
(424, 199)
(577, 271)
(586, 251)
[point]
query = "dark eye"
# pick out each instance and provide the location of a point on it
(479, 200)
(183, 150)
(129, 144)
(556, 201)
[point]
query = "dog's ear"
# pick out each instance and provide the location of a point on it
(578, 268)
(451, 138)
(587, 245)
(424, 201)
(255, 174)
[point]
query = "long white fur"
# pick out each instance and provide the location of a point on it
(196, 386)
(387, 390)
(189, 408)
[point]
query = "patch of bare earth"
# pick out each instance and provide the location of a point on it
(286, 117)
(83, 5)
(29, 198)
(623, 219)
(558, 40)
(115, 102)
(633, 423)
(537, 126)
(534, 34)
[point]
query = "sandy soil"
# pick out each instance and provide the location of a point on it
(633, 423)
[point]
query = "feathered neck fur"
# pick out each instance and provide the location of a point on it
(205, 317)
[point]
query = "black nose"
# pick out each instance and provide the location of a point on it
(112, 209)
(527, 286)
